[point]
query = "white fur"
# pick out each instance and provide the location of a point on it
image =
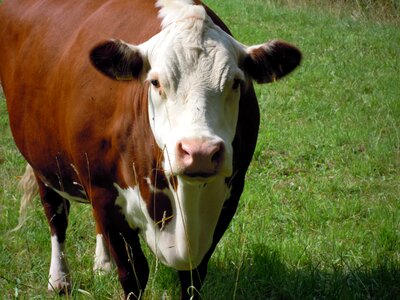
(196, 64)
(173, 10)
(102, 259)
(186, 238)
(59, 277)
(30, 189)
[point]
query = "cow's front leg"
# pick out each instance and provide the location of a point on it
(192, 281)
(123, 242)
(102, 258)
(56, 209)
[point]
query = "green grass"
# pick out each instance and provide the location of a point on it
(386, 11)
(320, 215)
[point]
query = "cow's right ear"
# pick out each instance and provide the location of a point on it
(118, 60)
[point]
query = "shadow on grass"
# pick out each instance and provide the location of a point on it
(263, 275)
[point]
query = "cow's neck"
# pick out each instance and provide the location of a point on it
(197, 208)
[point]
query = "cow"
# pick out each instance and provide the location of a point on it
(146, 111)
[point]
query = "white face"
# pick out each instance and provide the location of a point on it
(194, 91)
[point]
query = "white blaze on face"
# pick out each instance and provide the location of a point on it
(195, 90)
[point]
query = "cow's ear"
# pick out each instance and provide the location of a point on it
(118, 60)
(271, 61)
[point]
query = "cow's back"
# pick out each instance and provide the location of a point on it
(55, 99)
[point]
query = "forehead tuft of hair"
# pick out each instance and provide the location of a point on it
(176, 10)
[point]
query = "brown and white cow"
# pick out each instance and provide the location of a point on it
(143, 109)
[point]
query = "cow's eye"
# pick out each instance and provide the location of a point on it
(236, 84)
(155, 83)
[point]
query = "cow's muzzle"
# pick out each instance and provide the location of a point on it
(199, 158)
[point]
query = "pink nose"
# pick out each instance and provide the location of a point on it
(199, 157)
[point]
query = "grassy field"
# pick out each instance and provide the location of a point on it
(320, 215)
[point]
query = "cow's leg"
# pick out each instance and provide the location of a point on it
(124, 244)
(56, 209)
(102, 258)
(192, 281)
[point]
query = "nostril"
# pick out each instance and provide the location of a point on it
(184, 149)
(199, 157)
(217, 156)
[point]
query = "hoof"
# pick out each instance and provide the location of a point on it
(61, 287)
(102, 267)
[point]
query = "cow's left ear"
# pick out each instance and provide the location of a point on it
(271, 61)
(118, 60)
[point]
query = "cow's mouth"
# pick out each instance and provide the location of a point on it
(201, 177)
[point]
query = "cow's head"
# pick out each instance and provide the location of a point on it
(196, 73)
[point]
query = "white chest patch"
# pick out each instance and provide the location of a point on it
(186, 238)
